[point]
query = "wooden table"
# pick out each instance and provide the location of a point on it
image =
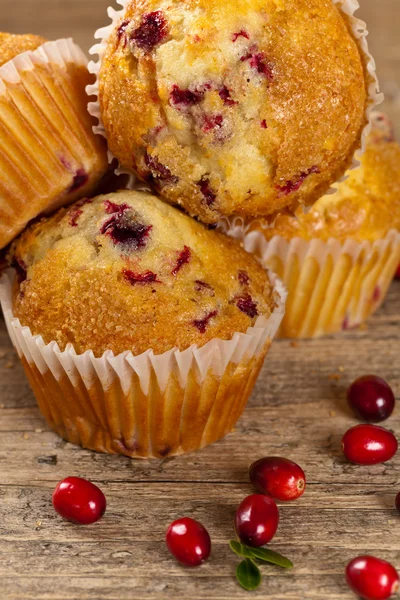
(298, 410)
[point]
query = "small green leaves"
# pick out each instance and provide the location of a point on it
(264, 554)
(272, 557)
(240, 549)
(248, 575)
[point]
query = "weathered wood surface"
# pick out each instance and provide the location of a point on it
(297, 410)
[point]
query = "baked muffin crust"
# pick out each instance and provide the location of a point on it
(11, 45)
(126, 271)
(234, 107)
(366, 206)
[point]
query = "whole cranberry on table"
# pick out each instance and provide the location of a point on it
(79, 501)
(257, 520)
(278, 477)
(371, 398)
(369, 445)
(372, 578)
(189, 541)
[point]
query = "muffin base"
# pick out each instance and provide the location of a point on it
(147, 406)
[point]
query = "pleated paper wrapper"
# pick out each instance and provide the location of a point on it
(49, 155)
(147, 406)
(332, 286)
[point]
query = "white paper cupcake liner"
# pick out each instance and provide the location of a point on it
(49, 155)
(360, 32)
(148, 405)
(332, 286)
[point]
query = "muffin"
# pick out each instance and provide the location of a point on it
(338, 259)
(146, 329)
(49, 155)
(234, 107)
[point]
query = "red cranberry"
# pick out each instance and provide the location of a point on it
(202, 324)
(247, 305)
(398, 273)
(79, 501)
(372, 578)
(369, 445)
(293, 186)
(257, 520)
(371, 398)
(151, 32)
(80, 179)
(188, 541)
(278, 477)
(397, 502)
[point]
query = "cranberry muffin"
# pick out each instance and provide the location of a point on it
(126, 271)
(338, 260)
(49, 155)
(234, 107)
(141, 331)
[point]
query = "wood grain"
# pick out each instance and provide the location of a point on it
(298, 410)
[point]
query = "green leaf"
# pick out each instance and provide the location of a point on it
(264, 554)
(240, 549)
(272, 557)
(248, 575)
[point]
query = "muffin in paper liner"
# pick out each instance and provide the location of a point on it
(49, 156)
(332, 285)
(359, 31)
(146, 406)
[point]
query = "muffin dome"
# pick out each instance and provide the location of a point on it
(11, 45)
(234, 107)
(366, 205)
(127, 272)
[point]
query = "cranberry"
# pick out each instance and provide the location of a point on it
(247, 305)
(121, 32)
(188, 541)
(277, 477)
(79, 501)
(369, 445)
(257, 520)
(398, 273)
(159, 171)
(371, 398)
(123, 229)
(226, 97)
(243, 278)
(134, 278)
(211, 122)
(241, 33)
(397, 502)
(293, 186)
(205, 188)
(372, 578)
(179, 97)
(264, 124)
(151, 32)
(202, 324)
(183, 259)
(80, 179)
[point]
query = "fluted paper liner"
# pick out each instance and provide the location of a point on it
(148, 405)
(359, 30)
(332, 286)
(49, 155)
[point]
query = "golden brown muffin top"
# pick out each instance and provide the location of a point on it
(234, 107)
(11, 45)
(366, 205)
(127, 272)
